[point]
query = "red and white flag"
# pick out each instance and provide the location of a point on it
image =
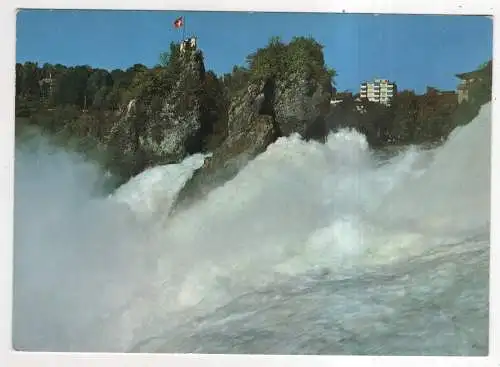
(179, 22)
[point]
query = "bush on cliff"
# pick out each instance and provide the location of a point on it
(280, 60)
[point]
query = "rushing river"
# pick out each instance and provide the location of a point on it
(311, 249)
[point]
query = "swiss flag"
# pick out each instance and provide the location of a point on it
(179, 22)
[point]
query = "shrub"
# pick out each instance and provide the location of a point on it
(303, 55)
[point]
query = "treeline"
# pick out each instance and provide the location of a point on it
(75, 106)
(412, 118)
(84, 88)
(85, 102)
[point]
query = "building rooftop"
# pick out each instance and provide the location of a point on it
(476, 73)
(378, 80)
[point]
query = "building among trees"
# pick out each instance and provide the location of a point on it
(468, 80)
(378, 91)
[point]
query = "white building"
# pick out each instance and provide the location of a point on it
(379, 91)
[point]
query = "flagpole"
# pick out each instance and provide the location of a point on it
(184, 28)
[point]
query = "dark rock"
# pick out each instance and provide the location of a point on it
(164, 128)
(317, 130)
(299, 102)
(258, 115)
(250, 132)
(279, 105)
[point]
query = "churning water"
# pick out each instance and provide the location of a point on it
(311, 249)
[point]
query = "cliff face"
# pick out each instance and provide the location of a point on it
(166, 126)
(143, 117)
(250, 131)
(300, 101)
(258, 115)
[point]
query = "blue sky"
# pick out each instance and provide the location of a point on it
(412, 50)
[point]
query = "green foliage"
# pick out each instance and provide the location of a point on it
(235, 81)
(158, 81)
(27, 79)
(416, 119)
(98, 83)
(483, 65)
(332, 74)
(215, 105)
(480, 92)
(170, 57)
(164, 59)
(302, 56)
(269, 61)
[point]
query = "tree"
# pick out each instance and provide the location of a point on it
(99, 81)
(164, 59)
(19, 79)
(29, 81)
(303, 55)
(71, 87)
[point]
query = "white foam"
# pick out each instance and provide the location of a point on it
(154, 191)
(296, 207)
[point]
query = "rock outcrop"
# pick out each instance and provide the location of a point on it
(127, 120)
(251, 128)
(301, 103)
(258, 115)
(163, 114)
(167, 126)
